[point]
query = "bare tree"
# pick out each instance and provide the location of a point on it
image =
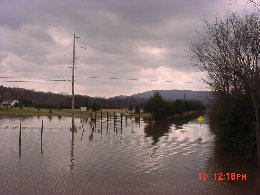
(246, 49)
(228, 51)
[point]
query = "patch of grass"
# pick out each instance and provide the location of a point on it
(31, 111)
(18, 111)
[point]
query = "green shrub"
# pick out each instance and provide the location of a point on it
(232, 120)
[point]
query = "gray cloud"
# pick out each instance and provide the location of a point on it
(134, 39)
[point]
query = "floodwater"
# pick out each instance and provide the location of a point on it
(137, 157)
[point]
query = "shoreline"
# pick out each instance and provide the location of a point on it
(65, 112)
(29, 111)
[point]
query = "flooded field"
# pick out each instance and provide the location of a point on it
(122, 157)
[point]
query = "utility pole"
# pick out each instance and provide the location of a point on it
(72, 81)
(73, 68)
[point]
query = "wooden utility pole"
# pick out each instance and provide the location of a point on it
(72, 81)
(73, 68)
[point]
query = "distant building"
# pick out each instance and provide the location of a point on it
(10, 103)
(83, 109)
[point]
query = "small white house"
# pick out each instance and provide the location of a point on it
(10, 102)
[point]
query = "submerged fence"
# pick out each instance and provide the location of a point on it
(113, 122)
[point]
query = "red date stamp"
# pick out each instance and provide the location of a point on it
(223, 176)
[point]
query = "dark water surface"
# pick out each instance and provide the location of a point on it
(145, 158)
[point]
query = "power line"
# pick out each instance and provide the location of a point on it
(37, 81)
(93, 77)
(133, 79)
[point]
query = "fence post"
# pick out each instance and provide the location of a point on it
(114, 121)
(20, 138)
(101, 120)
(41, 135)
(121, 114)
(95, 120)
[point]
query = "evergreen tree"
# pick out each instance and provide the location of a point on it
(137, 109)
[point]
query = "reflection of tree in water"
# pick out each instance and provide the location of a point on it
(157, 129)
(180, 121)
(49, 117)
(137, 120)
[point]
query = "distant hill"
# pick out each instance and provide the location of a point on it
(36, 98)
(45, 99)
(176, 94)
(203, 96)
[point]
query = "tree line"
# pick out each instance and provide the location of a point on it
(63, 101)
(155, 105)
(160, 108)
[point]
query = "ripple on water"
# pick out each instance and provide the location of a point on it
(138, 161)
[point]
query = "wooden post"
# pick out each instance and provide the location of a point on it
(20, 134)
(107, 121)
(101, 121)
(91, 116)
(95, 120)
(121, 114)
(20, 140)
(41, 131)
(114, 121)
(41, 136)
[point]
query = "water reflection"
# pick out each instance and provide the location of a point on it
(91, 136)
(157, 129)
(73, 130)
(180, 121)
(137, 121)
(49, 117)
(73, 127)
(156, 157)
(223, 161)
(72, 152)
(132, 121)
(82, 122)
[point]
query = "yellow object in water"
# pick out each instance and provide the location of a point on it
(200, 119)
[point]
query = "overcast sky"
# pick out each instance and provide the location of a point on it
(125, 39)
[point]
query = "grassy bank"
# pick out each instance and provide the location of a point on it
(31, 111)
